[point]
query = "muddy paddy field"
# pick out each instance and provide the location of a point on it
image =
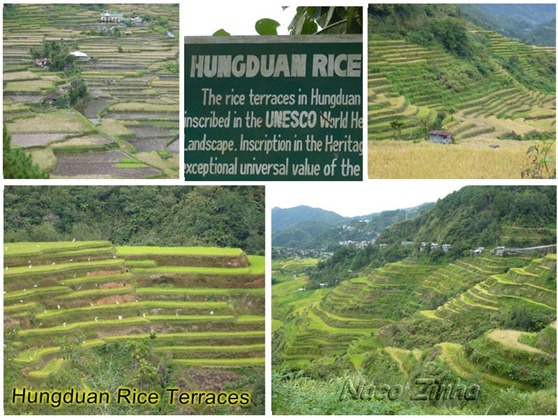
(128, 126)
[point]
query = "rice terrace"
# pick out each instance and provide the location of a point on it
(439, 70)
(93, 316)
(91, 91)
(461, 297)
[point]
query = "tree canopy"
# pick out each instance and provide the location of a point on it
(142, 215)
(17, 164)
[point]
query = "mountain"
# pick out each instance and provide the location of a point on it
(531, 23)
(484, 216)
(304, 227)
(535, 13)
(391, 313)
(543, 34)
(285, 218)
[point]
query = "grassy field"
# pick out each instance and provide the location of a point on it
(403, 159)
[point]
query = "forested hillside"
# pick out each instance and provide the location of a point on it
(463, 295)
(169, 216)
(286, 218)
(484, 216)
(429, 68)
(532, 23)
(303, 227)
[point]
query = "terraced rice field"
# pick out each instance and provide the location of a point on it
(350, 319)
(412, 84)
(204, 305)
(510, 338)
(129, 126)
(517, 285)
(347, 318)
(499, 357)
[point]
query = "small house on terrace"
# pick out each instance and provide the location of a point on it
(111, 17)
(41, 62)
(81, 56)
(51, 98)
(440, 137)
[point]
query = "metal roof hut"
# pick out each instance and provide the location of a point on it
(81, 56)
(440, 137)
(111, 17)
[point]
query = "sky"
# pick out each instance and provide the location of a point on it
(355, 199)
(236, 17)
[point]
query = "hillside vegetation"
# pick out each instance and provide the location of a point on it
(162, 216)
(429, 68)
(512, 216)
(93, 316)
(459, 317)
(534, 24)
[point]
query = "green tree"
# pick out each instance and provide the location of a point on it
(452, 35)
(326, 20)
(45, 233)
(425, 125)
(58, 54)
(396, 126)
(17, 164)
(78, 91)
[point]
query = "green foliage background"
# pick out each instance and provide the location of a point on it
(142, 215)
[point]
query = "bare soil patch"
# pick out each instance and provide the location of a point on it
(27, 98)
(150, 138)
(36, 140)
(104, 273)
(174, 147)
(111, 300)
(142, 115)
(97, 165)
(93, 107)
(83, 141)
(112, 285)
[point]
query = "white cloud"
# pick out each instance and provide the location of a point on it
(203, 18)
(353, 199)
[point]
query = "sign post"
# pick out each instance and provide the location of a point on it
(273, 108)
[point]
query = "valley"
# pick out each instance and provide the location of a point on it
(460, 317)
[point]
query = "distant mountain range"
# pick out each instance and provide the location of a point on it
(286, 218)
(304, 227)
(531, 23)
(472, 216)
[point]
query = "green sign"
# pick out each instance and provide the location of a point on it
(273, 108)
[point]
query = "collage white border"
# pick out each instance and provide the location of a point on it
(366, 184)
